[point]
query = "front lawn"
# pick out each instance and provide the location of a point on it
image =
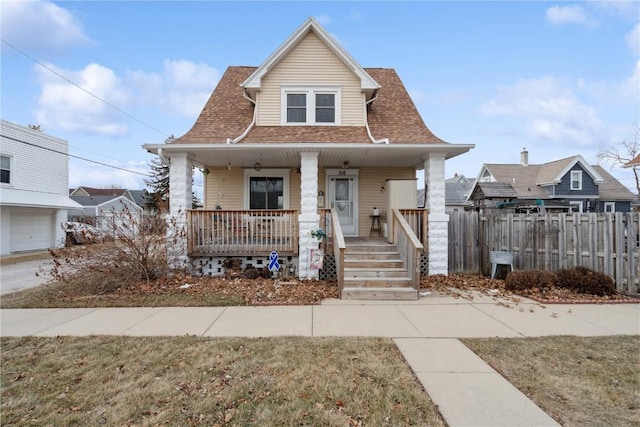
(198, 381)
(579, 381)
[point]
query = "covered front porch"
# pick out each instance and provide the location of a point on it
(305, 175)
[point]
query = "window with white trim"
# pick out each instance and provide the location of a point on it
(5, 169)
(576, 180)
(311, 106)
(576, 207)
(609, 206)
(267, 189)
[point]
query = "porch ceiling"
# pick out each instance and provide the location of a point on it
(329, 155)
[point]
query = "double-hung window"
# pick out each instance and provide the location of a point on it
(310, 106)
(5, 169)
(576, 180)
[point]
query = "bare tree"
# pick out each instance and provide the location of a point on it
(625, 151)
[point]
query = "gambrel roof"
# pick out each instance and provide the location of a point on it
(228, 113)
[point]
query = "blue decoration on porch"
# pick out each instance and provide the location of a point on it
(274, 265)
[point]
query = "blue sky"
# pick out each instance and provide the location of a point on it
(560, 78)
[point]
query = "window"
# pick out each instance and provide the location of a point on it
(266, 193)
(576, 207)
(296, 108)
(5, 169)
(609, 206)
(266, 189)
(576, 180)
(310, 106)
(325, 107)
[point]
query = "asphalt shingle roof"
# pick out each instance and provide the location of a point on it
(227, 114)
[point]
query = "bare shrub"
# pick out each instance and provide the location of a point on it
(137, 252)
(524, 280)
(586, 281)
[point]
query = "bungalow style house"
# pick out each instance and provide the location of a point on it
(34, 182)
(303, 145)
(565, 185)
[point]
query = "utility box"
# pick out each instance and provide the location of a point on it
(401, 194)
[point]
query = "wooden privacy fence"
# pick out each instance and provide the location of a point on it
(605, 242)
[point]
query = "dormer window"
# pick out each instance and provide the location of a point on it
(576, 180)
(310, 106)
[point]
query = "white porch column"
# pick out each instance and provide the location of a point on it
(438, 221)
(180, 199)
(308, 219)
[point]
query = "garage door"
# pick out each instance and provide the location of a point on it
(31, 230)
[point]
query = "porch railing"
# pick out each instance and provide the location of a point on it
(417, 220)
(339, 247)
(408, 245)
(242, 232)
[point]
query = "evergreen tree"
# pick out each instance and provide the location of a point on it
(158, 197)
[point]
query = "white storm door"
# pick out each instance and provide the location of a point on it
(342, 193)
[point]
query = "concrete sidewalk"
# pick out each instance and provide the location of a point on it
(467, 390)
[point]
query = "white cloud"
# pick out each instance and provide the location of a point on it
(626, 91)
(633, 39)
(41, 25)
(182, 88)
(573, 14)
(91, 175)
(70, 108)
(551, 110)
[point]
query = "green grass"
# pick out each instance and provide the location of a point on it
(593, 381)
(198, 381)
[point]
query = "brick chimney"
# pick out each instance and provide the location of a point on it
(524, 157)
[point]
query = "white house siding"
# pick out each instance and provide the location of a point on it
(36, 200)
(310, 63)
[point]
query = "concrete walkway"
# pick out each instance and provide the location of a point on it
(467, 391)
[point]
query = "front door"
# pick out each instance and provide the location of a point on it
(342, 193)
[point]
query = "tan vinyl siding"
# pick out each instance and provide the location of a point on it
(310, 63)
(294, 190)
(370, 182)
(224, 187)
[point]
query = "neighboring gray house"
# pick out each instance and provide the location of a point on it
(34, 178)
(566, 185)
(456, 194)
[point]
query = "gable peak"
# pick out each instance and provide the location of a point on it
(310, 25)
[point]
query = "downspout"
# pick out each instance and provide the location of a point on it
(366, 122)
(253, 121)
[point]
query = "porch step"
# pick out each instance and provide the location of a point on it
(379, 293)
(373, 263)
(374, 272)
(377, 282)
(370, 255)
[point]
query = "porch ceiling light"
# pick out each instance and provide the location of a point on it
(345, 165)
(257, 166)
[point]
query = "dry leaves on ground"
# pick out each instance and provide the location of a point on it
(468, 285)
(258, 291)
